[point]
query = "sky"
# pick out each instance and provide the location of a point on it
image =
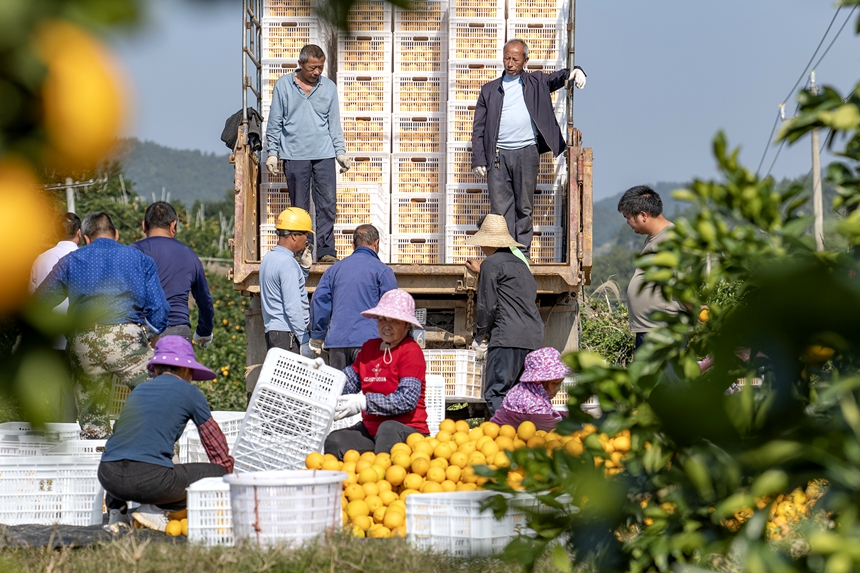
(663, 77)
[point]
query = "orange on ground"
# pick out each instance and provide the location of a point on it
(453, 473)
(420, 466)
(459, 459)
(449, 485)
(314, 461)
(462, 426)
(431, 487)
(526, 431)
(368, 475)
(491, 429)
(373, 502)
(413, 439)
(357, 507)
(508, 431)
(443, 451)
(436, 474)
(401, 459)
(395, 475)
(370, 488)
(412, 481)
(354, 492)
(448, 425)
(351, 456)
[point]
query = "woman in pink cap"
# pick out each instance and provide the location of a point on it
(137, 464)
(531, 399)
(385, 383)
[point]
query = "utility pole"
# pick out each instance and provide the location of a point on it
(817, 201)
(70, 195)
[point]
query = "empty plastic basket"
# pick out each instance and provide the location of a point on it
(285, 507)
(434, 402)
(210, 519)
(290, 413)
(191, 450)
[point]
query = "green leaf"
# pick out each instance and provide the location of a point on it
(771, 482)
(560, 559)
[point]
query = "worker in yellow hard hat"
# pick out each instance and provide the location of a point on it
(283, 271)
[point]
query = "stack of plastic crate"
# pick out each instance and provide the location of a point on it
(476, 31)
(288, 25)
(542, 24)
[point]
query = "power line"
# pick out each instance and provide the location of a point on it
(836, 37)
(803, 73)
(767, 145)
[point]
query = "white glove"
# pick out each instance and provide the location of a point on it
(202, 341)
(272, 164)
(307, 351)
(578, 78)
(349, 405)
(316, 345)
(480, 349)
(345, 163)
(480, 171)
(307, 258)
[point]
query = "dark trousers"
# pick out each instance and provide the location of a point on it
(182, 330)
(640, 339)
(511, 187)
(282, 339)
(340, 358)
(321, 172)
(126, 480)
(358, 438)
(504, 368)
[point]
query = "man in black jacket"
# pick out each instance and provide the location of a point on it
(508, 325)
(514, 123)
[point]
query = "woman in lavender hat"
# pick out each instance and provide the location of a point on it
(531, 399)
(385, 384)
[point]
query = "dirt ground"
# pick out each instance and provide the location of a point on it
(12, 536)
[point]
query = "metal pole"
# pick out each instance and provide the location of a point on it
(244, 61)
(817, 201)
(571, 55)
(70, 195)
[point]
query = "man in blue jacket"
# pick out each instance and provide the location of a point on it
(344, 291)
(514, 123)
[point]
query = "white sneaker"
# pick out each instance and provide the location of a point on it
(150, 516)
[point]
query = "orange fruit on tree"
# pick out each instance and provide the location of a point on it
(314, 461)
(526, 431)
(395, 475)
(412, 481)
(351, 456)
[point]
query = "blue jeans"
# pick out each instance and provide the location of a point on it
(511, 187)
(300, 173)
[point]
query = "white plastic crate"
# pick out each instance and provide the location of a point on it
(364, 52)
(475, 39)
(51, 431)
(465, 204)
(461, 116)
(547, 245)
(367, 133)
(272, 72)
(81, 448)
(552, 171)
(210, 517)
(284, 39)
(288, 9)
(434, 402)
(547, 39)
(370, 16)
(548, 206)
(418, 133)
(268, 238)
(290, 413)
(417, 249)
(459, 166)
(50, 489)
(465, 79)
(422, 16)
(419, 92)
(367, 168)
(362, 92)
(420, 52)
(456, 249)
(477, 9)
(267, 178)
(538, 9)
(285, 507)
(413, 213)
(24, 445)
(119, 393)
(417, 173)
(273, 199)
(362, 204)
(463, 379)
(191, 449)
(344, 247)
(453, 523)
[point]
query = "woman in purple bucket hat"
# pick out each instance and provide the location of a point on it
(385, 384)
(531, 399)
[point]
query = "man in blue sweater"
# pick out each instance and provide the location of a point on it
(179, 271)
(344, 291)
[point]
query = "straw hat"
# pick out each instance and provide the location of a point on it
(397, 304)
(493, 233)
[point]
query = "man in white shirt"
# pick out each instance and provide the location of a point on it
(69, 232)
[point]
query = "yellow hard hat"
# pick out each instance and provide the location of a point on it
(294, 219)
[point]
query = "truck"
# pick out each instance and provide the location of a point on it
(445, 291)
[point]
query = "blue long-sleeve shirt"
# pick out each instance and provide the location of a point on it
(283, 295)
(108, 283)
(180, 271)
(304, 126)
(345, 290)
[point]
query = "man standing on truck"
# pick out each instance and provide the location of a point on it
(179, 271)
(282, 284)
(508, 324)
(643, 209)
(345, 290)
(514, 123)
(304, 138)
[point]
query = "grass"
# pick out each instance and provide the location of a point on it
(337, 552)
(9, 412)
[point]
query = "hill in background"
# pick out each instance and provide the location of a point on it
(187, 175)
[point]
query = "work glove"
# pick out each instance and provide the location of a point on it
(202, 341)
(480, 171)
(349, 405)
(480, 349)
(577, 78)
(306, 259)
(316, 345)
(307, 351)
(345, 163)
(272, 165)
